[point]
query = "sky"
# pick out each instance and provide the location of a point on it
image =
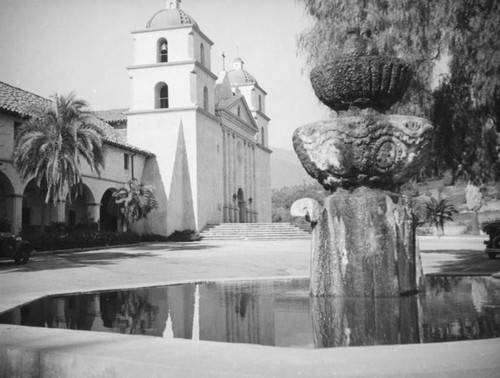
(59, 46)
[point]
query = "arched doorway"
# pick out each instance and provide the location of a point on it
(36, 214)
(108, 212)
(242, 205)
(76, 209)
(6, 206)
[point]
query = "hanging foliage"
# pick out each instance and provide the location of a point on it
(135, 200)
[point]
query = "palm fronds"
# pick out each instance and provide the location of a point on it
(51, 145)
(135, 200)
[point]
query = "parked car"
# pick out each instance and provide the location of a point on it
(493, 244)
(14, 247)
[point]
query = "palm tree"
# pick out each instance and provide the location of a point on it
(54, 141)
(437, 212)
(135, 201)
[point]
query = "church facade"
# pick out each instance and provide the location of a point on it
(199, 138)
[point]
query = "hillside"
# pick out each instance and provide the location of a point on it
(286, 169)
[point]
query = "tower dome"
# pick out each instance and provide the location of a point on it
(239, 76)
(170, 17)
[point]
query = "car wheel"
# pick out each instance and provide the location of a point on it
(496, 242)
(23, 255)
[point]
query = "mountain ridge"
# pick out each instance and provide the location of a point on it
(287, 170)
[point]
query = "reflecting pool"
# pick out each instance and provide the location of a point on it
(278, 313)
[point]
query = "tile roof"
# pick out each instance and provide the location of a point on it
(18, 101)
(112, 115)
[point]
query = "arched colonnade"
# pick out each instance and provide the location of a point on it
(23, 207)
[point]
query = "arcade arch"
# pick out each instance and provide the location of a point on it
(108, 212)
(77, 211)
(6, 203)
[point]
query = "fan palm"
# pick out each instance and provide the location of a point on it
(437, 212)
(53, 143)
(135, 200)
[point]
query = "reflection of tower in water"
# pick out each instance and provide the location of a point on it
(235, 313)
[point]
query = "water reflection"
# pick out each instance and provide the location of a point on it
(365, 321)
(278, 313)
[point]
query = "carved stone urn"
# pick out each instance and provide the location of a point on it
(363, 239)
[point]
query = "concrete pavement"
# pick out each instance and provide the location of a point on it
(61, 353)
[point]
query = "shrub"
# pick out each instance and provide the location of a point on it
(5, 225)
(438, 211)
(80, 239)
(185, 235)
(154, 238)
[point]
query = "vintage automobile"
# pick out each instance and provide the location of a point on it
(493, 244)
(14, 247)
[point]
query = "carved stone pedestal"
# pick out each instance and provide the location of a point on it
(363, 245)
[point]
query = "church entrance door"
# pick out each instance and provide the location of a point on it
(242, 205)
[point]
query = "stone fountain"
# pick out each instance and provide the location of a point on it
(363, 239)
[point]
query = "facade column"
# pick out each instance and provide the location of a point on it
(59, 214)
(235, 183)
(94, 212)
(14, 204)
(255, 197)
(224, 177)
(230, 177)
(247, 181)
(250, 166)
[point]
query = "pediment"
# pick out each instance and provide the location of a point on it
(239, 108)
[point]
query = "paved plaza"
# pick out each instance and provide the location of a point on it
(49, 352)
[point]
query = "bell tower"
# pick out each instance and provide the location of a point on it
(172, 96)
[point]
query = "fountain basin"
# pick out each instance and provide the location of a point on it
(277, 313)
(380, 151)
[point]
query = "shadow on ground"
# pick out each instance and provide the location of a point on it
(68, 260)
(173, 247)
(76, 259)
(468, 262)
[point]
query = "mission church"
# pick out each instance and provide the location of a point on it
(198, 138)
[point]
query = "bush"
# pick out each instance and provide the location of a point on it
(438, 211)
(80, 239)
(185, 235)
(154, 238)
(5, 225)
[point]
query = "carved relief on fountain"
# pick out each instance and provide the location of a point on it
(369, 149)
(375, 151)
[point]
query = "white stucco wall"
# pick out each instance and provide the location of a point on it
(263, 181)
(7, 135)
(159, 133)
(210, 171)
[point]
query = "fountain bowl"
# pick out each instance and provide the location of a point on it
(378, 151)
(362, 81)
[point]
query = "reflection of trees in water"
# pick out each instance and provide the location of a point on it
(460, 308)
(60, 312)
(129, 312)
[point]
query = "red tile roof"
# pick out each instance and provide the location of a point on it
(112, 115)
(18, 101)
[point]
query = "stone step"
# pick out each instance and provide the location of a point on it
(255, 231)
